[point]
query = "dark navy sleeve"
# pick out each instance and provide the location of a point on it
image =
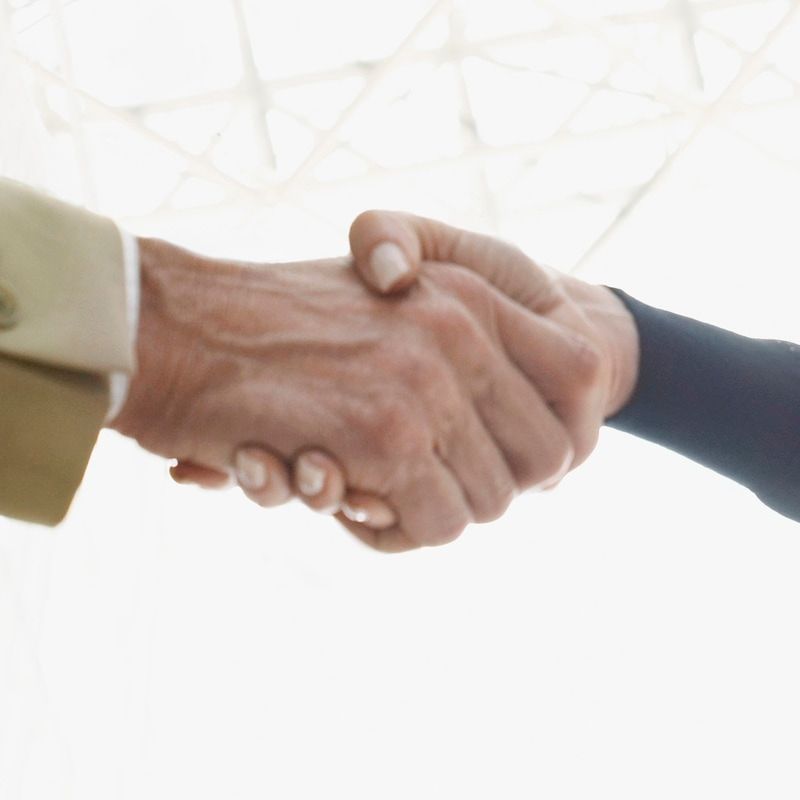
(726, 401)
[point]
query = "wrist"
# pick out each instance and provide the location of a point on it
(622, 340)
(161, 343)
(610, 326)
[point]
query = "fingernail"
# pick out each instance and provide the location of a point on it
(355, 513)
(250, 471)
(310, 476)
(388, 263)
(178, 476)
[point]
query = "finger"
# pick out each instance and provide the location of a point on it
(315, 468)
(477, 463)
(391, 540)
(556, 360)
(368, 510)
(262, 476)
(533, 441)
(562, 365)
(319, 481)
(421, 239)
(187, 472)
(431, 508)
(387, 253)
(431, 511)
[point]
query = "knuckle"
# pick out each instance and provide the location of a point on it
(442, 532)
(496, 505)
(272, 496)
(461, 282)
(432, 308)
(365, 219)
(557, 465)
(456, 284)
(549, 465)
(395, 431)
(418, 369)
(391, 542)
(423, 377)
(587, 361)
(469, 291)
(585, 442)
(450, 322)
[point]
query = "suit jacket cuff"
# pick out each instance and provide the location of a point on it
(63, 269)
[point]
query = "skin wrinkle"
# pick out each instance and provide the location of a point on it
(214, 332)
(198, 274)
(214, 336)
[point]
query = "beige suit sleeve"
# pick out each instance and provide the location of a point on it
(63, 329)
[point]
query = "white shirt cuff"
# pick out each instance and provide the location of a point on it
(119, 382)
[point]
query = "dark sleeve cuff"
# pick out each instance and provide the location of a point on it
(726, 401)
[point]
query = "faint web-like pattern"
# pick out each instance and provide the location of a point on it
(487, 112)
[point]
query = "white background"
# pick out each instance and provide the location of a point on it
(635, 634)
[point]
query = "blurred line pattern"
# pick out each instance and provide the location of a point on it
(237, 104)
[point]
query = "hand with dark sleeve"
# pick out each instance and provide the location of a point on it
(726, 401)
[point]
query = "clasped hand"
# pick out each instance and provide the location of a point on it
(463, 375)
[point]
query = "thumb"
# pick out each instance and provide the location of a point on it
(388, 247)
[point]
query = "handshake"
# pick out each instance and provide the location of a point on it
(408, 390)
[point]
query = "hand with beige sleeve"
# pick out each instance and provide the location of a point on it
(442, 403)
(569, 352)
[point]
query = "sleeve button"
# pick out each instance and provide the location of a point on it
(9, 310)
